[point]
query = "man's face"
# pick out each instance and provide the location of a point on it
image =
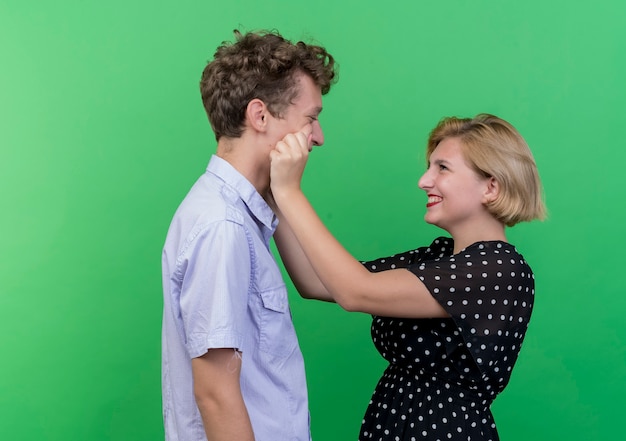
(303, 111)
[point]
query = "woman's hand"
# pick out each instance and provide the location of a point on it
(288, 160)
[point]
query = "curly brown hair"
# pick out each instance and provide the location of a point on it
(259, 65)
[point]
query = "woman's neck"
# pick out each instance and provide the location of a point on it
(487, 230)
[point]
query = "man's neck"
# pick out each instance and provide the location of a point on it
(245, 158)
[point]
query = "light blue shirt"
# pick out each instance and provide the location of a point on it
(223, 289)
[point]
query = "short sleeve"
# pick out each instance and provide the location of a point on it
(400, 260)
(215, 272)
(437, 249)
(488, 290)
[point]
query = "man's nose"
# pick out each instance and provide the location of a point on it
(318, 134)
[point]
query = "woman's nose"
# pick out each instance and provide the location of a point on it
(425, 181)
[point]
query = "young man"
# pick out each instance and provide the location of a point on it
(232, 367)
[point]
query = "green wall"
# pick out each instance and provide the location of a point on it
(102, 133)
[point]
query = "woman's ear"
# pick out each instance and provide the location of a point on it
(492, 190)
(256, 115)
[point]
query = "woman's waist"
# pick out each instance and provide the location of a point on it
(452, 386)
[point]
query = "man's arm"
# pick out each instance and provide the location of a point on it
(218, 395)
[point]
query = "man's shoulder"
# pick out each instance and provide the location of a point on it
(210, 200)
(206, 207)
(213, 230)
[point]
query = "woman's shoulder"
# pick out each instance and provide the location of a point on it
(496, 246)
(491, 247)
(496, 251)
(443, 246)
(440, 247)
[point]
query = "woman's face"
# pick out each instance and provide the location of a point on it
(456, 193)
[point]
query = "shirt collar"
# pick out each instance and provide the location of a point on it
(244, 190)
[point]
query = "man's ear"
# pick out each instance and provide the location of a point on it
(492, 190)
(257, 115)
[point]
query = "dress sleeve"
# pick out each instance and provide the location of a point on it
(488, 290)
(215, 272)
(400, 260)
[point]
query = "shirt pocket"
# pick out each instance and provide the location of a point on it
(277, 334)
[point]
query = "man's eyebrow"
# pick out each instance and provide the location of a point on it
(317, 110)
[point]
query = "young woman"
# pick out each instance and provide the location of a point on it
(449, 317)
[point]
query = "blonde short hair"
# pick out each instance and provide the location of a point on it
(493, 148)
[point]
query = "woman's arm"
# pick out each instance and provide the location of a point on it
(297, 264)
(391, 293)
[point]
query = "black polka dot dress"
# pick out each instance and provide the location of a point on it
(443, 374)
